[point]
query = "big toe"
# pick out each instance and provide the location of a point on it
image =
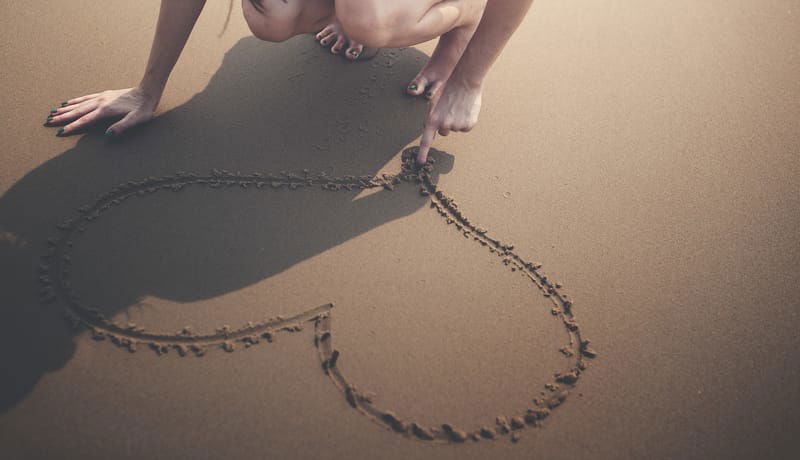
(354, 51)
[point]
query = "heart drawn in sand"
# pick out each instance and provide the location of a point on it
(54, 277)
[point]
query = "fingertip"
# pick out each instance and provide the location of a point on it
(422, 154)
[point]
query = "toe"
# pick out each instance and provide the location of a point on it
(417, 85)
(324, 33)
(328, 39)
(338, 45)
(354, 51)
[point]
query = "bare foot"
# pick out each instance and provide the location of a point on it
(432, 78)
(334, 34)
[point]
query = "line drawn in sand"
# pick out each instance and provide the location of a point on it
(54, 278)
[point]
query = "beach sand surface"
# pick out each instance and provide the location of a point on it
(644, 153)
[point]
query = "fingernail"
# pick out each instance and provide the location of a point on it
(413, 87)
(353, 53)
(60, 131)
(53, 111)
(429, 94)
(323, 42)
(64, 103)
(49, 118)
(109, 132)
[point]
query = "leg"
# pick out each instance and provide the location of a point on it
(388, 23)
(272, 20)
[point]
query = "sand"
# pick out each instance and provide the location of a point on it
(259, 272)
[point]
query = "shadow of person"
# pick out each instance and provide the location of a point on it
(269, 107)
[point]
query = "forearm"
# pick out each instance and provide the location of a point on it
(176, 20)
(500, 20)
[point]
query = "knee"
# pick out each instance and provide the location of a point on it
(371, 22)
(266, 25)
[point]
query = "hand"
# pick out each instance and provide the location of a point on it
(133, 105)
(455, 109)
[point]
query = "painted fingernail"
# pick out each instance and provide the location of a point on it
(429, 94)
(49, 119)
(109, 133)
(53, 111)
(412, 87)
(64, 103)
(353, 53)
(60, 131)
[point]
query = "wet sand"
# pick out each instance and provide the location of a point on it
(259, 272)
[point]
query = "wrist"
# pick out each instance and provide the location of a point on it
(151, 95)
(151, 89)
(467, 79)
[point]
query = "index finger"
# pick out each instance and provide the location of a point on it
(425, 143)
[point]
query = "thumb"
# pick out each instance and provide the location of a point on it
(128, 121)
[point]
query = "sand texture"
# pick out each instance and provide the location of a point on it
(262, 271)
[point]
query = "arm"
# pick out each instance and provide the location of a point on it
(458, 106)
(176, 20)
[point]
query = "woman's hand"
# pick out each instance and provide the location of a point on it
(132, 105)
(455, 109)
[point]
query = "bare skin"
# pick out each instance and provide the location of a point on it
(472, 34)
(333, 35)
(459, 104)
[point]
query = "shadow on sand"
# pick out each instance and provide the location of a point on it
(268, 108)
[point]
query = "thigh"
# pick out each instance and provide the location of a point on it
(271, 20)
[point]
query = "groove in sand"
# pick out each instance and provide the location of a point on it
(54, 277)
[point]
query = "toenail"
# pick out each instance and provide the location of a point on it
(413, 87)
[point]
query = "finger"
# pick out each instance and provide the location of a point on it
(338, 45)
(444, 131)
(81, 122)
(425, 142)
(78, 100)
(128, 121)
(417, 85)
(434, 89)
(76, 112)
(71, 107)
(354, 51)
